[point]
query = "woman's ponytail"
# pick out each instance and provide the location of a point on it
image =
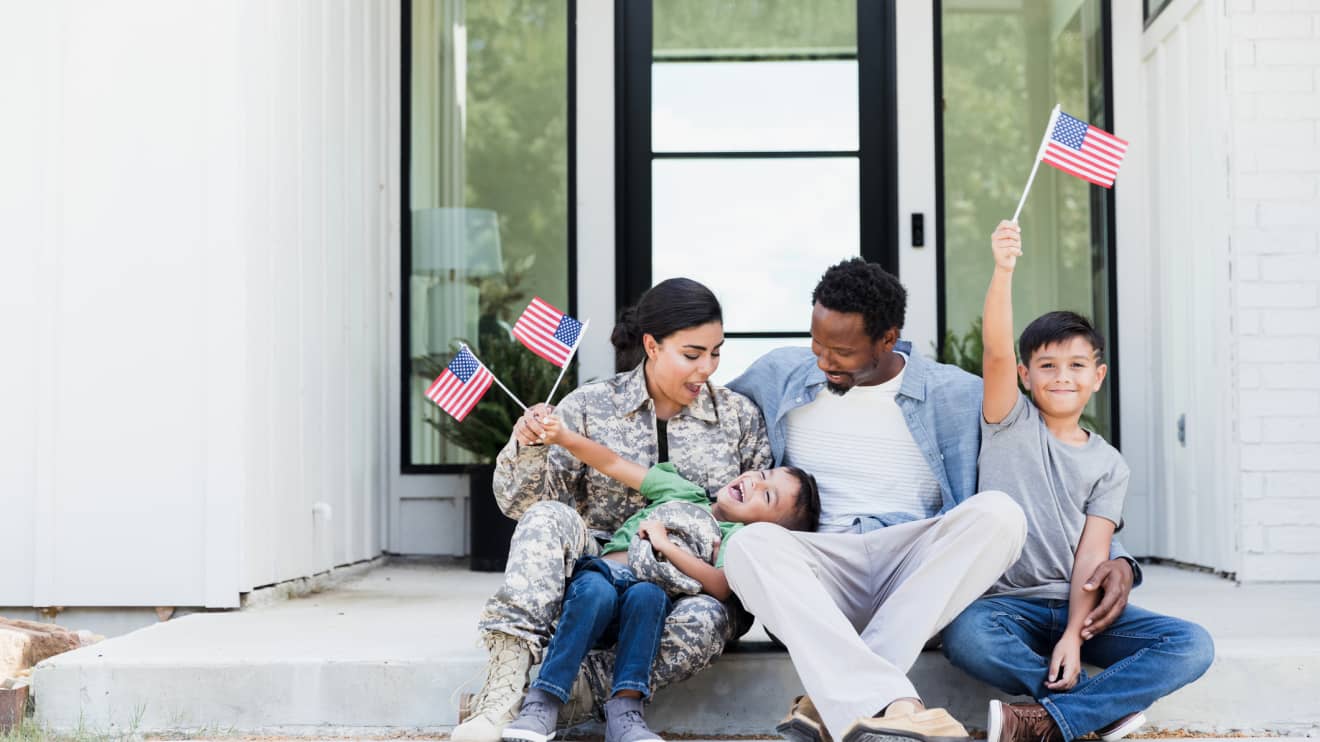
(627, 341)
(667, 307)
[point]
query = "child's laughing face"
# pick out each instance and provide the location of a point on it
(766, 495)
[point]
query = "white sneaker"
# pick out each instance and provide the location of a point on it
(1123, 727)
(507, 672)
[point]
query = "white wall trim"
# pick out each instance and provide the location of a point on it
(1134, 291)
(448, 491)
(595, 184)
(917, 178)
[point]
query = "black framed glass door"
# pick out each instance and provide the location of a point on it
(756, 147)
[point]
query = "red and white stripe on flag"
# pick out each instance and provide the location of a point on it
(1088, 152)
(461, 385)
(547, 332)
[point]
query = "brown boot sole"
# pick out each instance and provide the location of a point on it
(862, 734)
(798, 729)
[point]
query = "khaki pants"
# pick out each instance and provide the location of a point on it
(855, 610)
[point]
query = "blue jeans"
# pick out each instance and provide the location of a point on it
(603, 604)
(1007, 642)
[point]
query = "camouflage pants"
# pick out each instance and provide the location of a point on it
(549, 540)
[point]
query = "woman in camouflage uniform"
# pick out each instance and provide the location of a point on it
(659, 407)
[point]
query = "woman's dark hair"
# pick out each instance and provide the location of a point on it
(667, 307)
(858, 287)
(1057, 327)
(806, 511)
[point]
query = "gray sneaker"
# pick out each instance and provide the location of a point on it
(624, 722)
(536, 721)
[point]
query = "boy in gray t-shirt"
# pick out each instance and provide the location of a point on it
(1058, 485)
(1026, 635)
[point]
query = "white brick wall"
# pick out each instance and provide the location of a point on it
(1274, 83)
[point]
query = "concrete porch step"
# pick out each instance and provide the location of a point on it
(392, 649)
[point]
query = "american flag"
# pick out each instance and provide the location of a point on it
(1080, 149)
(547, 332)
(460, 386)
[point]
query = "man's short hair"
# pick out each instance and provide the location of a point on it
(806, 511)
(1057, 327)
(858, 287)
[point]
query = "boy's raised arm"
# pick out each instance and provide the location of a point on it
(998, 361)
(593, 454)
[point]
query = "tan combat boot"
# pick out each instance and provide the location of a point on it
(507, 671)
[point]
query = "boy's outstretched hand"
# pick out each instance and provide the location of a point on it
(1006, 242)
(1065, 664)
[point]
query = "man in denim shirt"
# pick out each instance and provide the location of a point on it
(903, 545)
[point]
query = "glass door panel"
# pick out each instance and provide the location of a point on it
(759, 232)
(1004, 68)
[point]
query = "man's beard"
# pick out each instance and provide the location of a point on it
(837, 389)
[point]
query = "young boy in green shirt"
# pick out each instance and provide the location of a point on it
(605, 598)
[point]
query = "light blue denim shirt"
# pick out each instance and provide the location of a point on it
(941, 404)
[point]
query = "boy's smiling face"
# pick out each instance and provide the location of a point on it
(766, 495)
(1062, 376)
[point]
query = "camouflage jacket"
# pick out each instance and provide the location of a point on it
(711, 441)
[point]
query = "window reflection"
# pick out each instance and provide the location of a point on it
(759, 233)
(754, 106)
(1004, 68)
(488, 180)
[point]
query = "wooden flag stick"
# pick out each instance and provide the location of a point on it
(496, 379)
(568, 360)
(1049, 128)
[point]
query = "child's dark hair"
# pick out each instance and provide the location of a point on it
(806, 511)
(1057, 327)
(667, 307)
(856, 286)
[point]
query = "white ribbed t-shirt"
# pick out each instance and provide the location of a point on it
(862, 454)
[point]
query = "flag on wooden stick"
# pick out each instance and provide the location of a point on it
(548, 332)
(461, 385)
(1077, 148)
(1090, 153)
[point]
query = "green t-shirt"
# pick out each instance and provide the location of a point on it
(663, 484)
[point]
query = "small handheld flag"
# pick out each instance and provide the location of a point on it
(463, 383)
(548, 332)
(1090, 153)
(1079, 149)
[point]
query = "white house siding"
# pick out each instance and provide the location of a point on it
(1182, 154)
(1226, 199)
(1274, 78)
(195, 234)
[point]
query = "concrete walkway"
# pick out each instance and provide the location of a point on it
(389, 651)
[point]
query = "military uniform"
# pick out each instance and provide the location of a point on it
(566, 509)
